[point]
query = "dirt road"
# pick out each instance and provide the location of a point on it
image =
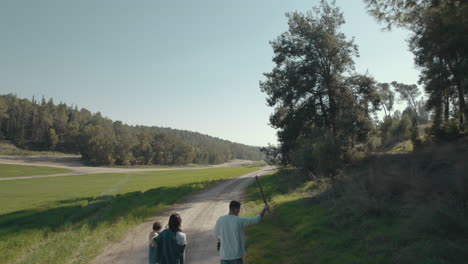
(74, 164)
(199, 213)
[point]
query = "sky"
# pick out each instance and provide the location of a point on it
(192, 65)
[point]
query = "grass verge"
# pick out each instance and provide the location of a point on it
(70, 219)
(308, 226)
(13, 170)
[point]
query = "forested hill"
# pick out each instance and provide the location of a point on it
(48, 126)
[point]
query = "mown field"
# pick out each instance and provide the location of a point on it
(70, 219)
(11, 170)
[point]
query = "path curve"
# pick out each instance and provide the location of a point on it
(199, 213)
(74, 164)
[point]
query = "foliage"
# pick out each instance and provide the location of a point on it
(406, 208)
(429, 188)
(387, 97)
(46, 126)
(53, 139)
(320, 103)
(401, 13)
(440, 44)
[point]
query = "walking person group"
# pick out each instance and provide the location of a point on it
(168, 246)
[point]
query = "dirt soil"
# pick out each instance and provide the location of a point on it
(199, 213)
(77, 167)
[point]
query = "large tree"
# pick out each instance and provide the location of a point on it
(439, 42)
(316, 94)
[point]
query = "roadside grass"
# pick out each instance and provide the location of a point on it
(70, 219)
(13, 170)
(402, 209)
(304, 229)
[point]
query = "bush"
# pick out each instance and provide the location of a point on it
(399, 184)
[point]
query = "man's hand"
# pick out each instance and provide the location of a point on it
(265, 208)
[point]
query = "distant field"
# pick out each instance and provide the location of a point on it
(69, 219)
(10, 170)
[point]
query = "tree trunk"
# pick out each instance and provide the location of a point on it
(385, 109)
(324, 111)
(446, 106)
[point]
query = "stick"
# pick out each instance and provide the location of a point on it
(261, 190)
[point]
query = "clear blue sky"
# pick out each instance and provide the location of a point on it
(191, 65)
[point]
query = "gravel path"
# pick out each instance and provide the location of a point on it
(199, 213)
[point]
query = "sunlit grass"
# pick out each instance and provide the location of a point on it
(301, 230)
(70, 219)
(10, 170)
(405, 146)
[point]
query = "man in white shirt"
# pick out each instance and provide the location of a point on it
(229, 231)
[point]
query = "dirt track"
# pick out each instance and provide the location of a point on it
(199, 214)
(74, 164)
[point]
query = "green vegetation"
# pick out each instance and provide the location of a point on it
(405, 146)
(9, 170)
(439, 44)
(69, 219)
(46, 126)
(9, 149)
(388, 209)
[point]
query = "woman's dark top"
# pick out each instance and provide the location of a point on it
(169, 250)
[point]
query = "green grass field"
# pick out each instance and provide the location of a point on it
(70, 219)
(10, 170)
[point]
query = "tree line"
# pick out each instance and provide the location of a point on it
(45, 125)
(325, 111)
(439, 42)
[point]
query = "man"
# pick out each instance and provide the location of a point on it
(229, 231)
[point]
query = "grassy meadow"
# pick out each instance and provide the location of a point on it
(12, 170)
(70, 219)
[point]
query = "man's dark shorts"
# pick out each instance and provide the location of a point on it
(232, 261)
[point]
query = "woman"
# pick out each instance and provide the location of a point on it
(172, 242)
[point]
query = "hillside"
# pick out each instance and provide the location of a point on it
(405, 208)
(47, 126)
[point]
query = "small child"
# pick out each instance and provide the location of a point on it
(153, 247)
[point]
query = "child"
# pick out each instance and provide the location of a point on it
(153, 250)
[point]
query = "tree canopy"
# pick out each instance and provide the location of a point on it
(320, 104)
(439, 42)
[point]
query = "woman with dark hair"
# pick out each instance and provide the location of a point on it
(172, 242)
